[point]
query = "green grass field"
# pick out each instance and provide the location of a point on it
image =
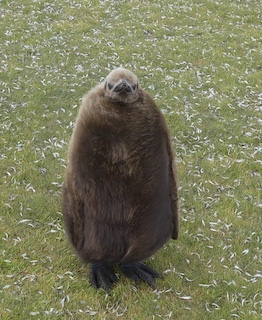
(201, 61)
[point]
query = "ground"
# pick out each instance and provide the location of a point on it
(201, 61)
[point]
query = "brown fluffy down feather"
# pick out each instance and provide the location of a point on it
(120, 198)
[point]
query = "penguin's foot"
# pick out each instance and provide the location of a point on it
(102, 276)
(139, 271)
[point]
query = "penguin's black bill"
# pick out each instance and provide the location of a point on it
(123, 86)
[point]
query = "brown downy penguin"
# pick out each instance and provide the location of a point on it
(120, 197)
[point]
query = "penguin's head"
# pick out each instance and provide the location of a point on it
(121, 85)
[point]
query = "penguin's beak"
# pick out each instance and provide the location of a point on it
(123, 86)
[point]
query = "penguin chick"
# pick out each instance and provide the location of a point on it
(120, 196)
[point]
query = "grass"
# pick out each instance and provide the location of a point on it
(201, 60)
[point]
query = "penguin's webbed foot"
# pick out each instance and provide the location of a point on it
(139, 271)
(102, 276)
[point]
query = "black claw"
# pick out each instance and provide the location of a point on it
(153, 273)
(137, 271)
(102, 276)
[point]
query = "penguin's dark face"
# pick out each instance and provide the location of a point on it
(121, 85)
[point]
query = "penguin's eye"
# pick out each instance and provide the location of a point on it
(110, 86)
(134, 87)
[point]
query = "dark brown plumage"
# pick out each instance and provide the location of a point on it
(120, 199)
